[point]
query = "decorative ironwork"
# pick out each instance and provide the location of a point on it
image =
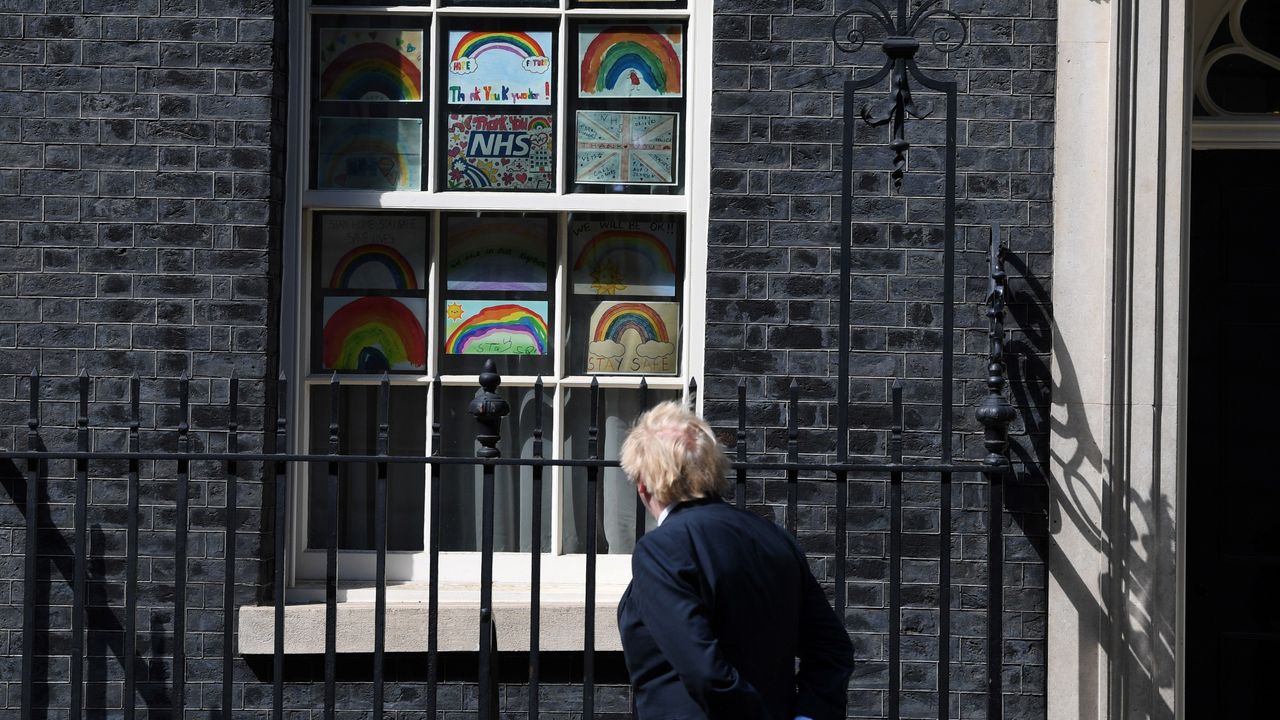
(1228, 42)
(995, 412)
(900, 44)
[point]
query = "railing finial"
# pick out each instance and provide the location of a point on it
(489, 408)
(995, 412)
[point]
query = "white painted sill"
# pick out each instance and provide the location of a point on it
(562, 619)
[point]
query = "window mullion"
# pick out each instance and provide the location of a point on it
(562, 107)
(433, 84)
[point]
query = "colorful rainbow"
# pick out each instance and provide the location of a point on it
(629, 246)
(618, 50)
(622, 317)
(398, 268)
(475, 44)
(373, 334)
(371, 71)
(499, 319)
(540, 123)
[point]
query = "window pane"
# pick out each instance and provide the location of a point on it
(498, 113)
(628, 106)
(368, 107)
(497, 301)
(461, 486)
(667, 4)
(616, 500)
(370, 308)
(358, 406)
(627, 278)
(501, 152)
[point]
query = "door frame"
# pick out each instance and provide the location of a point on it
(1124, 138)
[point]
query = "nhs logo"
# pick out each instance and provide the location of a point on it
(506, 143)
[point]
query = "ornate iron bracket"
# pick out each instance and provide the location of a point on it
(995, 412)
(900, 45)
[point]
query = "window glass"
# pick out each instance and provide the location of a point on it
(497, 300)
(624, 308)
(616, 499)
(498, 105)
(358, 436)
(461, 486)
(637, 4)
(628, 106)
(370, 298)
(369, 109)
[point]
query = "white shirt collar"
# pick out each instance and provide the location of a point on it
(665, 512)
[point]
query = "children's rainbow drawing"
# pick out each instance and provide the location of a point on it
(627, 262)
(496, 67)
(482, 328)
(373, 334)
(371, 65)
(372, 251)
(627, 317)
(629, 61)
(369, 153)
(631, 338)
(377, 266)
(474, 44)
(496, 254)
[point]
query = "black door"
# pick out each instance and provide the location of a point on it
(1233, 480)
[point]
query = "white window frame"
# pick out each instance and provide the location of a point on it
(461, 569)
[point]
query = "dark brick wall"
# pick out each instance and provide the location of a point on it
(139, 201)
(772, 307)
(139, 177)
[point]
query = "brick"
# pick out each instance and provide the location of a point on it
(61, 79)
(122, 53)
(61, 26)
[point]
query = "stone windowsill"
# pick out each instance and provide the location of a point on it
(562, 620)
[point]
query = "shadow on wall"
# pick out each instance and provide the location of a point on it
(55, 570)
(1076, 500)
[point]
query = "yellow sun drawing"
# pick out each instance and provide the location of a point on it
(606, 280)
(455, 311)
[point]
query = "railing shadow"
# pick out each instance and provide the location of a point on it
(105, 631)
(1130, 552)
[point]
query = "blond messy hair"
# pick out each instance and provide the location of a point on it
(673, 453)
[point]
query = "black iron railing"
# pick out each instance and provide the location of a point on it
(488, 409)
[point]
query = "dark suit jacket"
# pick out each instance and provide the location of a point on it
(721, 604)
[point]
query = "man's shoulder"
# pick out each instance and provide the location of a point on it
(710, 518)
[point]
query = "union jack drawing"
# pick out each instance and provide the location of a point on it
(624, 148)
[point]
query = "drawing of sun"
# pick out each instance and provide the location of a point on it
(455, 311)
(606, 280)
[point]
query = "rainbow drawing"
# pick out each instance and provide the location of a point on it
(369, 153)
(372, 65)
(376, 266)
(626, 261)
(499, 254)
(497, 67)
(474, 44)
(629, 61)
(373, 334)
(482, 328)
(625, 317)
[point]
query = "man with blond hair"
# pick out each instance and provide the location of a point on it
(722, 602)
